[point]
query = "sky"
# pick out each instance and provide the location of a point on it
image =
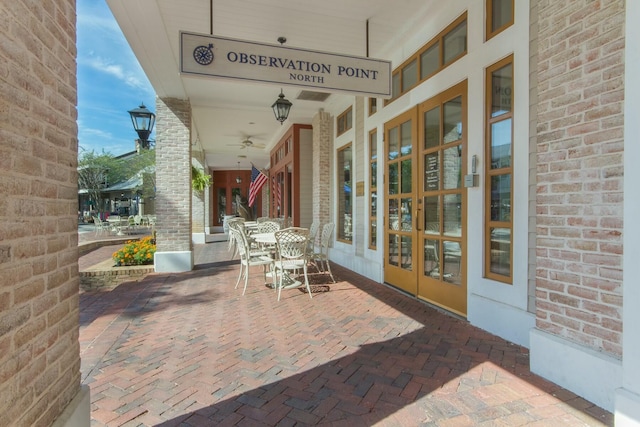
(110, 82)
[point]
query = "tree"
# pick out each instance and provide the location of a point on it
(99, 171)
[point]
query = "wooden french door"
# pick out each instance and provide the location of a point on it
(426, 200)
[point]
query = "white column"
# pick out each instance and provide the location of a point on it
(627, 403)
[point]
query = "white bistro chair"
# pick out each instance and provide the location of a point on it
(248, 259)
(291, 257)
(321, 259)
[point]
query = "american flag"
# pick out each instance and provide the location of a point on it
(257, 181)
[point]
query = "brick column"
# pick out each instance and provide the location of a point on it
(321, 124)
(40, 380)
(579, 204)
(173, 186)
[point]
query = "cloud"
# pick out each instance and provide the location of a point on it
(129, 77)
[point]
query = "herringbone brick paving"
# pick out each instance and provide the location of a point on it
(189, 350)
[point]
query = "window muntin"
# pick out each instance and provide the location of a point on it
(439, 52)
(344, 121)
(344, 226)
(373, 189)
(499, 173)
(499, 16)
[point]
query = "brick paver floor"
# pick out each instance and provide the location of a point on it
(188, 349)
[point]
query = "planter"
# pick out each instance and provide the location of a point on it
(106, 276)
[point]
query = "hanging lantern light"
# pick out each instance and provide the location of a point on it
(281, 108)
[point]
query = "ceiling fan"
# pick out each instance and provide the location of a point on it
(247, 143)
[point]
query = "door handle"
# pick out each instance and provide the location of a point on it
(418, 220)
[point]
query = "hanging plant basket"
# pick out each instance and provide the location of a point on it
(199, 181)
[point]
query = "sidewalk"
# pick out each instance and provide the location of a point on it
(189, 349)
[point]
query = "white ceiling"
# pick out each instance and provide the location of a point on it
(226, 112)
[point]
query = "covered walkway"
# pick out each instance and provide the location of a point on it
(189, 349)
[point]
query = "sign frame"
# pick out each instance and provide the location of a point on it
(206, 55)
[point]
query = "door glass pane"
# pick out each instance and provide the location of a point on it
(452, 120)
(394, 223)
(393, 143)
(373, 233)
(432, 215)
(407, 141)
(430, 61)
(451, 258)
(406, 253)
(374, 203)
(393, 178)
(406, 223)
(501, 144)
(500, 251)
(374, 174)
(501, 198)
(406, 176)
(455, 42)
(222, 204)
(452, 214)
(432, 171)
(431, 258)
(452, 165)
(234, 205)
(393, 249)
(432, 128)
(409, 75)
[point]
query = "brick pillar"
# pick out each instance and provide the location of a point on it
(579, 197)
(321, 124)
(40, 380)
(173, 186)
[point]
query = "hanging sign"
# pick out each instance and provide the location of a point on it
(211, 56)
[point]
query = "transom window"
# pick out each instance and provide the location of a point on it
(499, 16)
(444, 49)
(344, 121)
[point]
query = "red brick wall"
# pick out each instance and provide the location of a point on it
(580, 171)
(39, 350)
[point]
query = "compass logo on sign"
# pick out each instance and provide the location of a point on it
(203, 54)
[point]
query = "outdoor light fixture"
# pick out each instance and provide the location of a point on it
(143, 121)
(281, 108)
(238, 178)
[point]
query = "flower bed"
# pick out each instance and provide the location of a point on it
(136, 252)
